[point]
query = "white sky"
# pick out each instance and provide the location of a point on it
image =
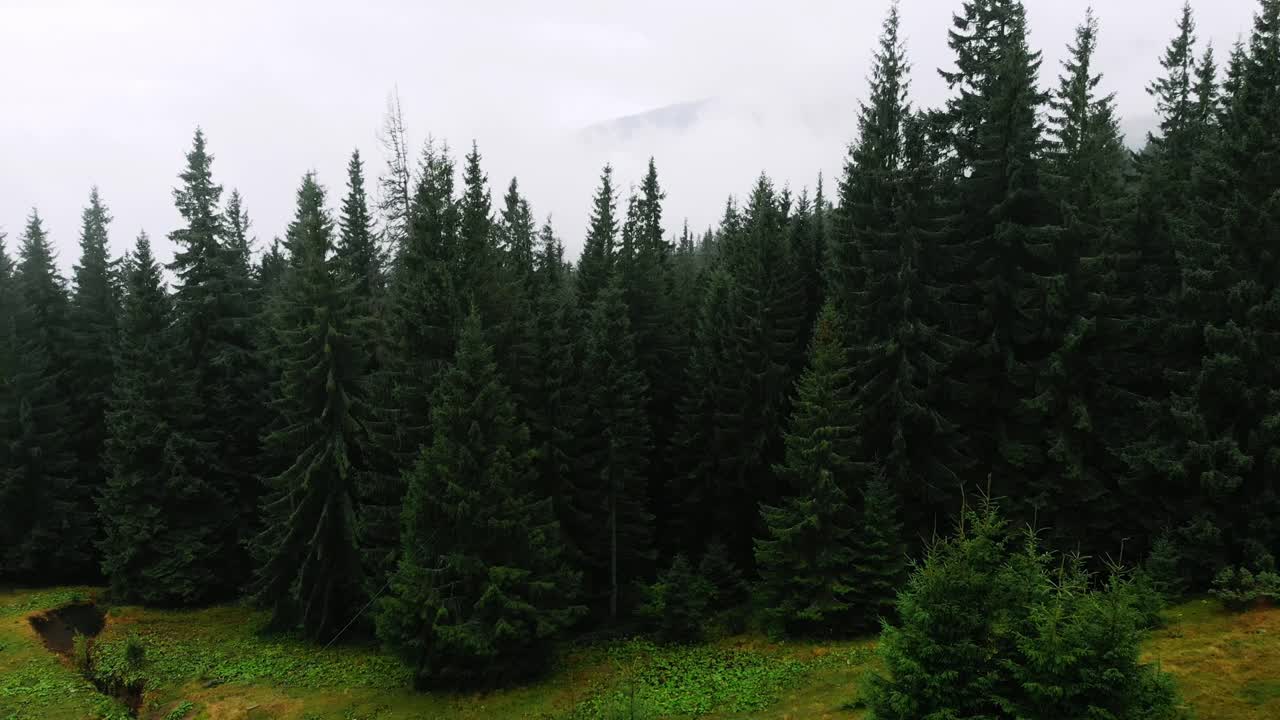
(108, 93)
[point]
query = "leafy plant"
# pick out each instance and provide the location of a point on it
(82, 654)
(135, 652)
(181, 711)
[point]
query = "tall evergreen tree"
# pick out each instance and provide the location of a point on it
(214, 313)
(309, 568)
(92, 319)
(157, 545)
(807, 555)
(1081, 401)
(743, 368)
(422, 318)
(359, 257)
(645, 268)
(48, 528)
(889, 275)
(611, 525)
(596, 265)
(481, 588)
(552, 399)
(1003, 228)
(518, 241)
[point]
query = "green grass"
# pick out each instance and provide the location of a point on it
(34, 683)
(216, 664)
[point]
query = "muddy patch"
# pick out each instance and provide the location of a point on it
(58, 630)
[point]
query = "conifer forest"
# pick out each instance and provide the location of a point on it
(993, 396)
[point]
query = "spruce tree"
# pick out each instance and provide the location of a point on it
(743, 367)
(309, 568)
(1227, 416)
(889, 275)
(645, 267)
(8, 361)
(678, 602)
(596, 265)
(1082, 400)
(92, 320)
(1045, 644)
(807, 556)
(1003, 230)
(481, 588)
(1166, 332)
(881, 562)
(421, 317)
(611, 526)
(157, 546)
(357, 252)
(553, 397)
(518, 236)
(47, 526)
(215, 319)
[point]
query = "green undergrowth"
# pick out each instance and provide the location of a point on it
(658, 682)
(227, 645)
(217, 664)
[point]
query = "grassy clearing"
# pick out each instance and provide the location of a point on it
(1227, 665)
(214, 664)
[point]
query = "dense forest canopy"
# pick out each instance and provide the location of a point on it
(412, 403)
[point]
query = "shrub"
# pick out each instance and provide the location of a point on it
(1240, 589)
(82, 654)
(678, 602)
(996, 629)
(135, 652)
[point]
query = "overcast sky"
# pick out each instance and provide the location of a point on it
(108, 93)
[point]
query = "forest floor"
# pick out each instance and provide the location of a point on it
(214, 664)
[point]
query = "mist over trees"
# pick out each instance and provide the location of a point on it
(412, 411)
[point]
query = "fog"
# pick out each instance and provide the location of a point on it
(111, 95)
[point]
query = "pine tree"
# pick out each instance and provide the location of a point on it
(596, 265)
(481, 588)
(270, 269)
(612, 526)
(678, 602)
(157, 546)
(517, 236)
(46, 530)
(743, 366)
(1227, 416)
(807, 556)
(422, 317)
(8, 364)
(645, 269)
(881, 562)
(552, 397)
(357, 253)
(1044, 645)
(309, 568)
(215, 316)
(1166, 333)
(92, 319)
(1083, 412)
(888, 274)
(1003, 230)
